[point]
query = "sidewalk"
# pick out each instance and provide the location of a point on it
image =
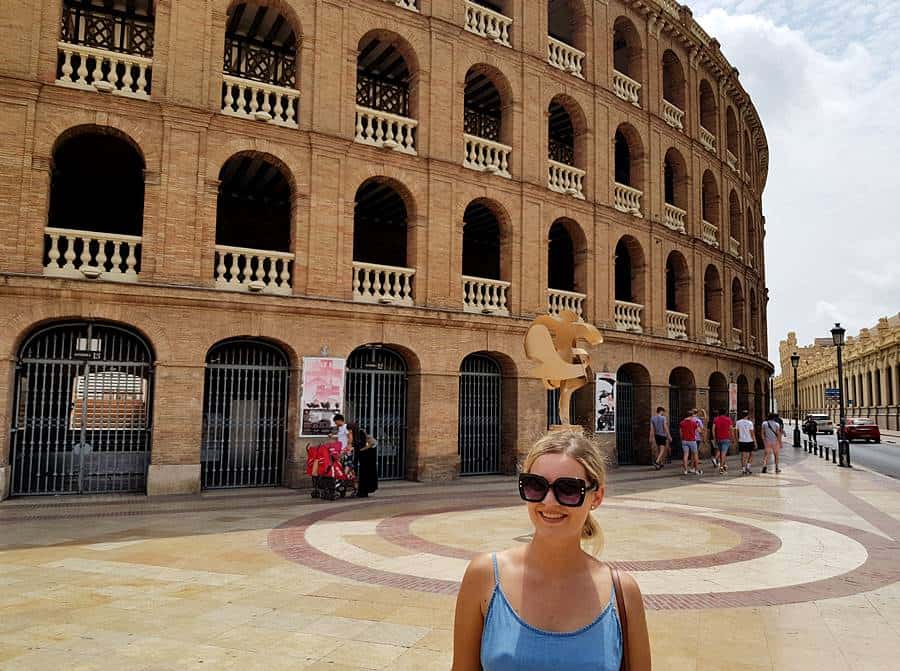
(795, 571)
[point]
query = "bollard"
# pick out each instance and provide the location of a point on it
(834, 455)
(805, 445)
(826, 453)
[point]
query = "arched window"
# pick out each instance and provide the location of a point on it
(731, 136)
(735, 224)
(748, 157)
(487, 135)
(566, 39)
(89, 235)
(710, 203)
(628, 172)
(93, 33)
(737, 314)
(675, 190)
(678, 287)
(753, 344)
(566, 266)
(712, 305)
(709, 123)
(718, 393)
(565, 148)
(260, 48)
(384, 93)
(674, 94)
(484, 290)
(751, 239)
(627, 61)
(629, 284)
(254, 188)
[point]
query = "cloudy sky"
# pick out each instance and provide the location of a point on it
(825, 78)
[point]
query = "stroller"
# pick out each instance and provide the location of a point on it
(330, 479)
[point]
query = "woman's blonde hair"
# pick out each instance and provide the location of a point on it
(582, 447)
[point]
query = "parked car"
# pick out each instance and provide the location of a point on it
(863, 428)
(823, 423)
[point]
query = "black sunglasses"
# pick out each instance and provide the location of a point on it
(568, 491)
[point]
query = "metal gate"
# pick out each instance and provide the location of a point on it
(625, 422)
(245, 403)
(480, 431)
(677, 408)
(376, 400)
(82, 411)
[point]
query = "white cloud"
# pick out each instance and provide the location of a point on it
(822, 77)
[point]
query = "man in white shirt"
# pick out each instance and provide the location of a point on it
(341, 431)
(746, 440)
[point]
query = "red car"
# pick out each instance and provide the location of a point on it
(862, 427)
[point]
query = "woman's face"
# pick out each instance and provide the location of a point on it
(548, 516)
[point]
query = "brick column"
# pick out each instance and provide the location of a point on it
(7, 372)
(432, 432)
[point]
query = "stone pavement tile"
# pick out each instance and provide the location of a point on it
(363, 655)
(277, 643)
(439, 640)
(343, 628)
(365, 610)
(434, 617)
(395, 634)
(418, 660)
(48, 660)
(734, 663)
(230, 614)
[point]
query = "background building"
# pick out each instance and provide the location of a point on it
(195, 195)
(871, 375)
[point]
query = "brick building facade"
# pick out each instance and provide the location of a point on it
(405, 183)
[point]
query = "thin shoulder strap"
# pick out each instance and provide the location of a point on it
(496, 569)
(623, 617)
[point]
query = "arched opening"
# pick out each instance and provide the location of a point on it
(708, 113)
(565, 22)
(731, 136)
(718, 394)
(103, 26)
(380, 244)
(484, 112)
(82, 406)
(560, 134)
(480, 412)
(712, 305)
(245, 410)
(629, 284)
(627, 60)
(376, 398)
(754, 322)
(90, 236)
(751, 239)
(678, 287)
(483, 257)
(737, 313)
(565, 147)
(632, 414)
(628, 170)
(682, 398)
(674, 92)
(748, 156)
(260, 46)
(384, 85)
(253, 225)
(710, 201)
(675, 190)
(566, 266)
(759, 397)
(735, 223)
(743, 394)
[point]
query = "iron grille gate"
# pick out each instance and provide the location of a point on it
(677, 409)
(245, 403)
(625, 422)
(376, 400)
(82, 411)
(479, 416)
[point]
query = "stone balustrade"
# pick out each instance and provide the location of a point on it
(485, 296)
(559, 300)
(374, 283)
(626, 88)
(628, 316)
(675, 218)
(711, 332)
(731, 160)
(709, 233)
(88, 254)
(488, 23)
(707, 139)
(83, 68)
(737, 338)
(627, 199)
(676, 325)
(566, 179)
(673, 115)
(734, 247)
(412, 5)
(671, 6)
(250, 99)
(254, 270)
(383, 129)
(565, 57)
(487, 156)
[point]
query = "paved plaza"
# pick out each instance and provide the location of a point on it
(794, 571)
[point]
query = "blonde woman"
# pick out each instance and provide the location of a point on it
(550, 605)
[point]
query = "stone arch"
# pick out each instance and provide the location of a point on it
(567, 22)
(488, 95)
(735, 224)
(674, 83)
(630, 271)
(629, 157)
(712, 294)
(737, 304)
(675, 179)
(633, 413)
(577, 130)
(387, 70)
(708, 108)
(499, 242)
(678, 283)
(731, 131)
(628, 51)
(370, 200)
(710, 199)
(566, 240)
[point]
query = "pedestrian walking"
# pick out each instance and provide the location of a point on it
(746, 439)
(691, 434)
(772, 434)
(722, 430)
(547, 603)
(660, 437)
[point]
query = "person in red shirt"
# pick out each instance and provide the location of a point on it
(723, 428)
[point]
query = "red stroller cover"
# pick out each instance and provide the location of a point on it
(318, 460)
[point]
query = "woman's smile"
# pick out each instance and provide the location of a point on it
(552, 518)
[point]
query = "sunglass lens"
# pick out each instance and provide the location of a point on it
(568, 491)
(533, 488)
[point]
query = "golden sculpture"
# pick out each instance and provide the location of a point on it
(552, 342)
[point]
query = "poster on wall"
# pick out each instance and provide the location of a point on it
(732, 399)
(605, 403)
(322, 394)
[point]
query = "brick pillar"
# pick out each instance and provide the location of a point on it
(7, 372)
(432, 431)
(177, 426)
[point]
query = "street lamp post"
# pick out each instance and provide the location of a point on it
(837, 336)
(795, 362)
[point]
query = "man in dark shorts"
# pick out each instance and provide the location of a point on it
(746, 436)
(660, 436)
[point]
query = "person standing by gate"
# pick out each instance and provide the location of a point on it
(722, 430)
(366, 464)
(746, 437)
(660, 437)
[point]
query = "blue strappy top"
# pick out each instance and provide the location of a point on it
(508, 643)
